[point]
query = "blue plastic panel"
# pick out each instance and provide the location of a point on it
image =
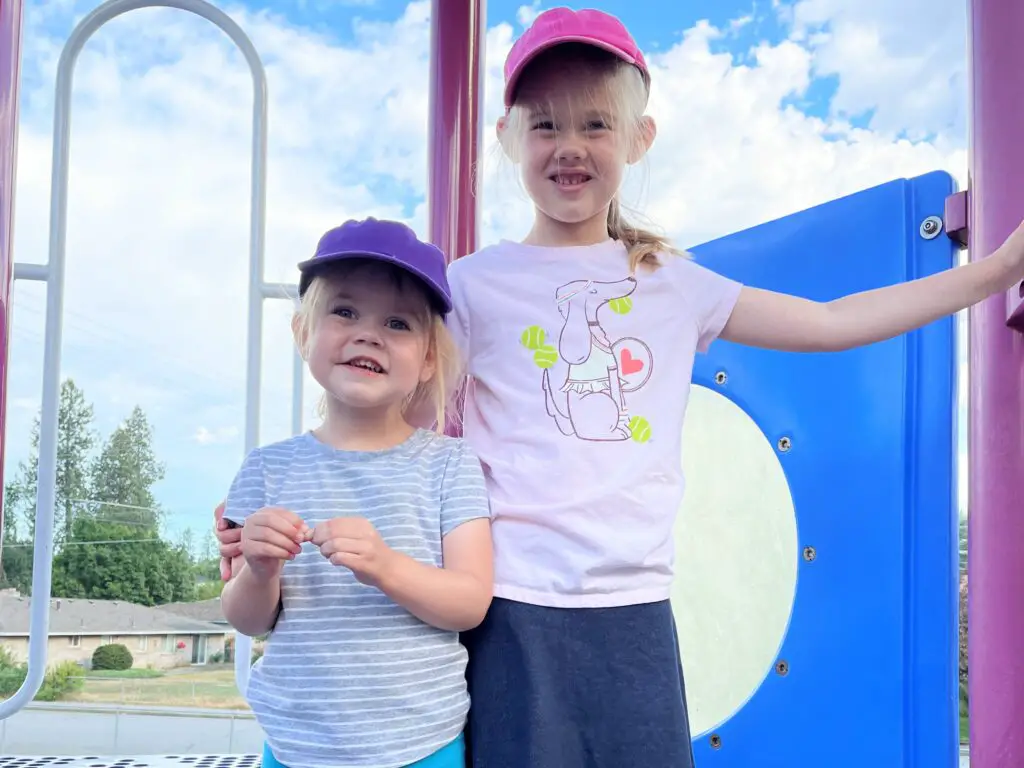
(870, 679)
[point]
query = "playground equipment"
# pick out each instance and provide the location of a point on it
(840, 689)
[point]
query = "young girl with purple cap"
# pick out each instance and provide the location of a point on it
(580, 342)
(365, 543)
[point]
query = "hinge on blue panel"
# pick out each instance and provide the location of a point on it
(955, 217)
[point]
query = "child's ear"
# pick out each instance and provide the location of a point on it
(644, 139)
(429, 364)
(300, 335)
(506, 138)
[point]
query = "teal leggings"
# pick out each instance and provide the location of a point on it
(452, 756)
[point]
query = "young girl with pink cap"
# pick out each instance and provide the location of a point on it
(580, 341)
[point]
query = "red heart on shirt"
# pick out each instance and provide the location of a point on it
(629, 363)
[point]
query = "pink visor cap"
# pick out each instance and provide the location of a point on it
(563, 25)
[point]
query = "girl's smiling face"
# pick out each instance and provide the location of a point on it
(577, 122)
(368, 343)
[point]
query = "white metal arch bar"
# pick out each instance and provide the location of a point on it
(53, 273)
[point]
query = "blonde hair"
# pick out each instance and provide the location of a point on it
(620, 85)
(432, 399)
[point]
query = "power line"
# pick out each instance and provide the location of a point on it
(100, 541)
(126, 521)
(114, 504)
(119, 505)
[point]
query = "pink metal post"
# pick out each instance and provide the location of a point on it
(456, 52)
(456, 47)
(10, 50)
(996, 526)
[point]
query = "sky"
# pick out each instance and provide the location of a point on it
(764, 108)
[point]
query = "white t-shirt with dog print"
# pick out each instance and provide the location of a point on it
(579, 379)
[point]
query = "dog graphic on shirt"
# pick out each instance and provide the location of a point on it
(586, 379)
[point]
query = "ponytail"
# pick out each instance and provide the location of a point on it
(643, 246)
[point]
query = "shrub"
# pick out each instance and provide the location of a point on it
(12, 673)
(60, 680)
(112, 656)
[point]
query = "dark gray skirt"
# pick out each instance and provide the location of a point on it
(576, 688)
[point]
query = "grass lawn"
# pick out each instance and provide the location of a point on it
(209, 687)
(130, 673)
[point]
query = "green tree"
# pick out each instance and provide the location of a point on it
(207, 590)
(118, 561)
(207, 569)
(107, 538)
(205, 558)
(115, 550)
(75, 441)
(15, 556)
(187, 541)
(123, 476)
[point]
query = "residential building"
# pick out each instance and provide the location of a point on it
(156, 637)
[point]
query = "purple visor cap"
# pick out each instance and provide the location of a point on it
(388, 241)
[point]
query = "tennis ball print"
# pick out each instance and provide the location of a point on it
(533, 337)
(621, 306)
(640, 429)
(546, 356)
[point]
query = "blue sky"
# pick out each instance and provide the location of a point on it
(764, 108)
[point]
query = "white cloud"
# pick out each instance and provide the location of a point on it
(904, 61)
(205, 436)
(158, 215)
(527, 13)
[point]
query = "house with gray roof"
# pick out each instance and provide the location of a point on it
(201, 610)
(156, 637)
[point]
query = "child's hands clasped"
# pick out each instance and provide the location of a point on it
(269, 537)
(354, 543)
(273, 535)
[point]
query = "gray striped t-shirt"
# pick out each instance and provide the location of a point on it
(349, 677)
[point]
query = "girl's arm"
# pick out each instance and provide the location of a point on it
(778, 321)
(455, 597)
(250, 602)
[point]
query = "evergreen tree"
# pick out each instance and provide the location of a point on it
(107, 538)
(124, 474)
(116, 551)
(75, 441)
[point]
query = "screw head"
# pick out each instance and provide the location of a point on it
(782, 667)
(716, 741)
(931, 227)
(810, 554)
(721, 377)
(785, 444)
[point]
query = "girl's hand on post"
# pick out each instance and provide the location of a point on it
(354, 543)
(1011, 252)
(269, 537)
